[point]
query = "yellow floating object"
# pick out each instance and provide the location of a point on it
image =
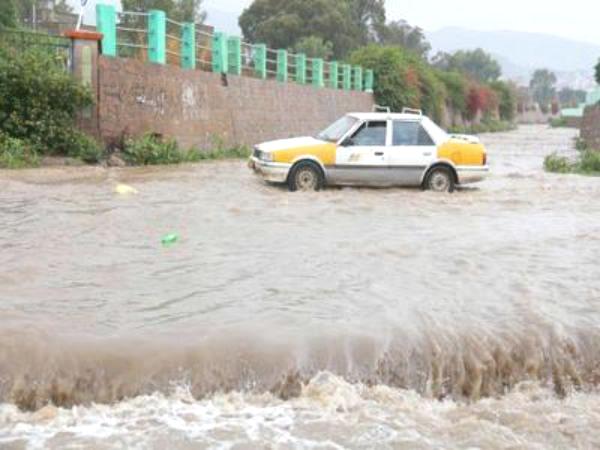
(124, 189)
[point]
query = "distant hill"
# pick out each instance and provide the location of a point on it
(521, 53)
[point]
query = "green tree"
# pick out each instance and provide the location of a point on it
(179, 10)
(368, 17)
(26, 9)
(457, 90)
(283, 23)
(598, 73)
(571, 97)
(476, 63)
(190, 11)
(401, 33)
(314, 47)
(542, 86)
(402, 79)
(8, 14)
(507, 99)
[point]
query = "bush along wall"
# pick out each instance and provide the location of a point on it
(453, 99)
(38, 105)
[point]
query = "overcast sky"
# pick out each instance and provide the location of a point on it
(578, 20)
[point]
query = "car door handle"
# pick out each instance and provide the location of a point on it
(427, 154)
(379, 153)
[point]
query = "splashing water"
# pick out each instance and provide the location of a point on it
(350, 318)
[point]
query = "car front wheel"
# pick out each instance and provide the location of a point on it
(305, 176)
(440, 179)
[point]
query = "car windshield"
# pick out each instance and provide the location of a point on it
(338, 130)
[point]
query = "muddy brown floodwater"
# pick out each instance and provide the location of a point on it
(350, 318)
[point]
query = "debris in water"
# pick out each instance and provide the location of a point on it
(125, 189)
(169, 239)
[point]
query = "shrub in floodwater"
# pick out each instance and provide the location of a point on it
(560, 122)
(557, 164)
(151, 149)
(16, 153)
(220, 151)
(589, 161)
(84, 147)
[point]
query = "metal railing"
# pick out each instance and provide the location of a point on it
(151, 36)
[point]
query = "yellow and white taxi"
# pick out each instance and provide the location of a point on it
(374, 149)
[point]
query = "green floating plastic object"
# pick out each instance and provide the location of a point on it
(169, 239)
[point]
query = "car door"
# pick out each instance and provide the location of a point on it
(411, 151)
(361, 158)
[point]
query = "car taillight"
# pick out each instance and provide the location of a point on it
(485, 159)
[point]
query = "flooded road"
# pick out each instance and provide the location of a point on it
(350, 318)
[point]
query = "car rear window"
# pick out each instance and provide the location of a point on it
(410, 133)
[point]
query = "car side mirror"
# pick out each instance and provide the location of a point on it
(348, 142)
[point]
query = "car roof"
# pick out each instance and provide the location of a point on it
(387, 116)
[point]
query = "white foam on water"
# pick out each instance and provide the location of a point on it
(329, 414)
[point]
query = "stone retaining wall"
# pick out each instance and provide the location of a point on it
(197, 107)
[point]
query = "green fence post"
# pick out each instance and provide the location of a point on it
(334, 75)
(282, 65)
(234, 56)
(358, 79)
(317, 73)
(157, 37)
(106, 23)
(219, 53)
(188, 46)
(369, 80)
(260, 61)
(347, 77)
(301, 68)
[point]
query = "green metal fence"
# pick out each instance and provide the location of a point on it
(153, 37)
(58, 46)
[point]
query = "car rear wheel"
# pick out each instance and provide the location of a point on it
(440, 179)
(305, 176)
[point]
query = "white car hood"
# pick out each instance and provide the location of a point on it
(287, 144)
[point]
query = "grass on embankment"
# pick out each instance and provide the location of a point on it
(153, 150)
(586, 163)
(143, 151)
(486, 126)
(559, 122)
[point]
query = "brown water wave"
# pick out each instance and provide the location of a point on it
(38, 369)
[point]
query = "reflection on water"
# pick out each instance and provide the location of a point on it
(490, 293)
